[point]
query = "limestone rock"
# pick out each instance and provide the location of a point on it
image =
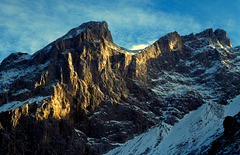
(83, 94)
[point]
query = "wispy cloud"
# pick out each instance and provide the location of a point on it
(28, 26)
(142, 46)
(138, 47)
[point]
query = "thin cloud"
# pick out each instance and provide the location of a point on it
(28, 26)
(142, 46)
(139, 47)
(37, 21)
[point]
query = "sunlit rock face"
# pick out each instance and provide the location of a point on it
(83, 94)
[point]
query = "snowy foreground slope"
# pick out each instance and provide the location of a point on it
(195, 131)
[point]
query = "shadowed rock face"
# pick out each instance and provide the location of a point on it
(228, 143)
(222, 37)
(84, 94)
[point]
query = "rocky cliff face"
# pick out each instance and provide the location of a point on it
(228, 142)
(84, 94)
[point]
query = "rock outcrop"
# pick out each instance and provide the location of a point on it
(228, 143)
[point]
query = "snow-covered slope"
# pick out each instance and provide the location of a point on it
(16, 104)
(195, 131)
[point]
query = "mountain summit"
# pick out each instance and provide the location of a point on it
(91, 31)
(83, 94)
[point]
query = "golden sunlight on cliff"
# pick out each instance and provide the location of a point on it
(172, 45)
(42, 80)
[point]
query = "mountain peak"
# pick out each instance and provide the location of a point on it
(218, 35)
(206, 33)
(222, 37)
(170, 41)
(91, 31)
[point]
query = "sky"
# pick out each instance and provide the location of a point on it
(27, 26)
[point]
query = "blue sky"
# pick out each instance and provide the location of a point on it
(27, 26)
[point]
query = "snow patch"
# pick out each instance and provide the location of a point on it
(213, 69)
(48, 48)
(21, 92)
(79, 132)
(73, 33)
(16, 104)
(23, 57)
(9, 76)
(142, 142)
(234, 107)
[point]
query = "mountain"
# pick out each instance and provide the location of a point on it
(83, 94)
